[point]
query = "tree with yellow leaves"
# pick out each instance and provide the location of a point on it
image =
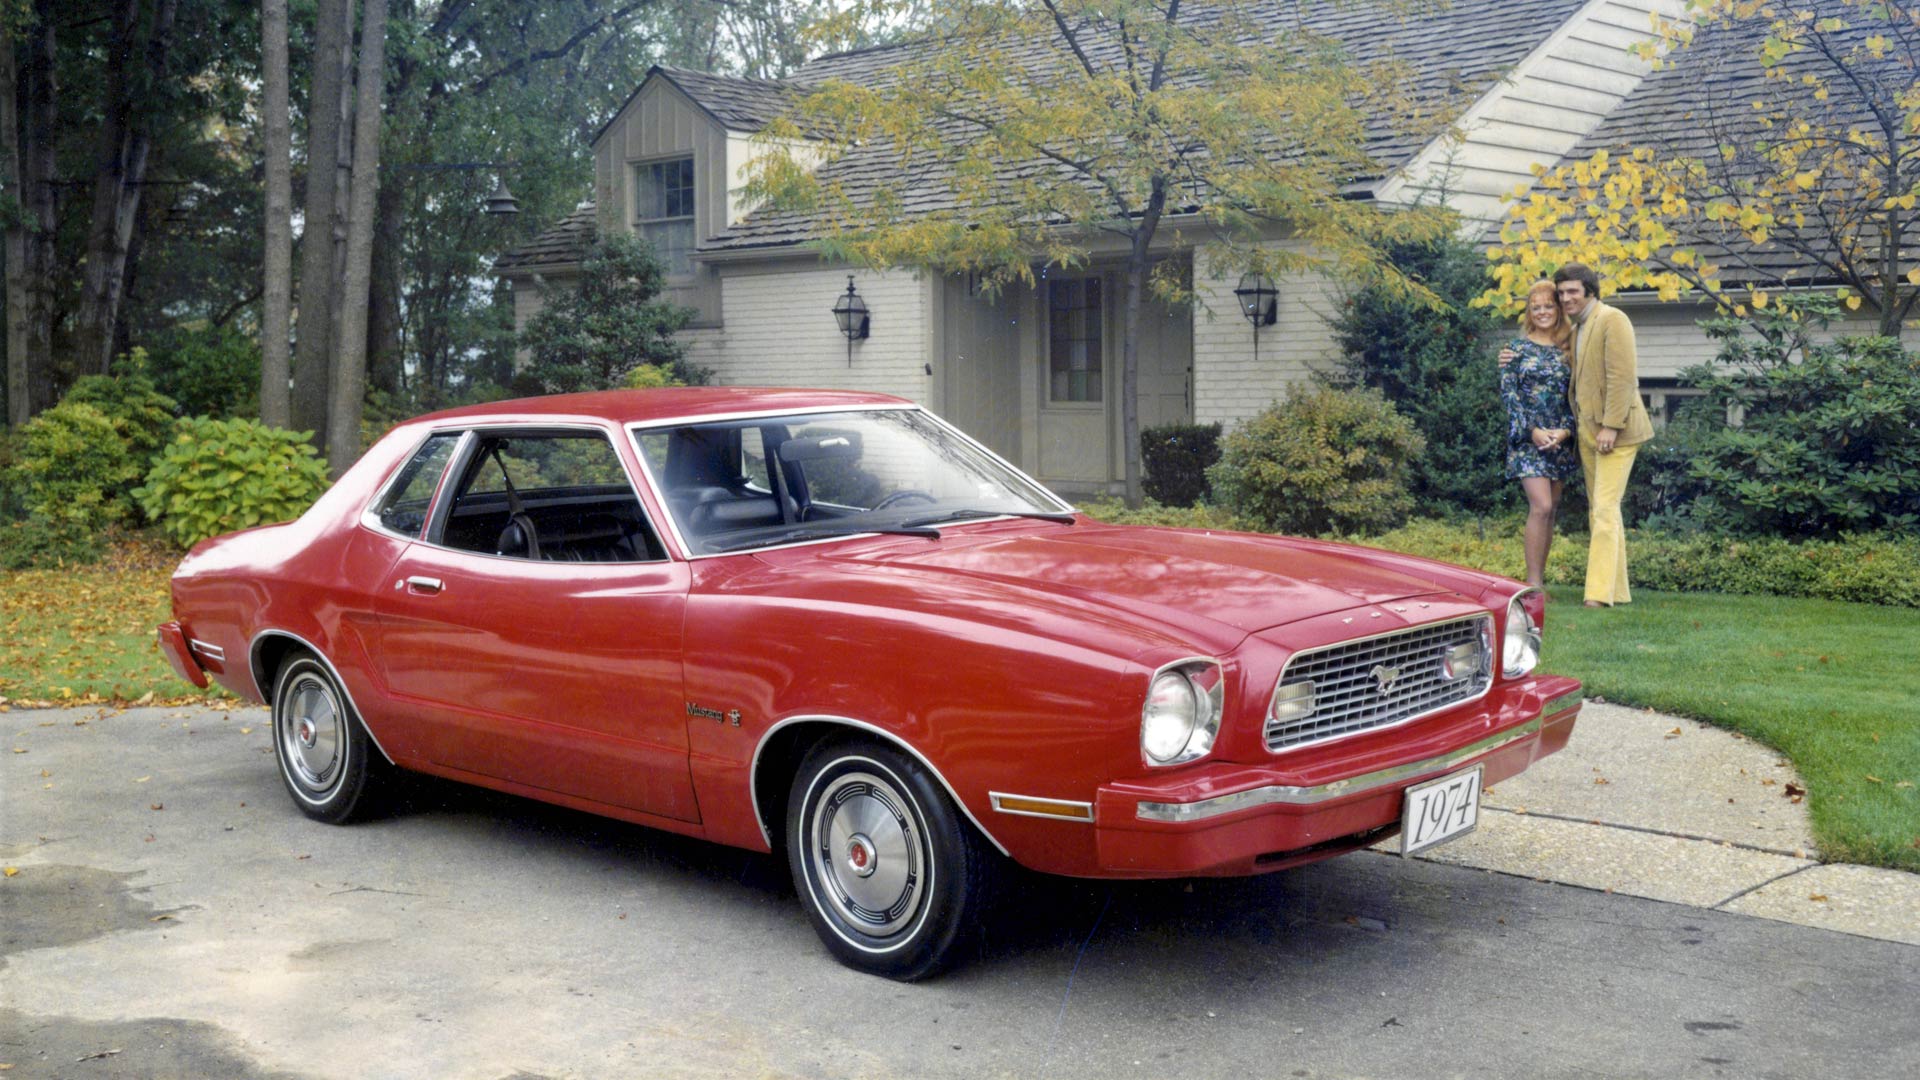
(1789, 158)
(1021, 135)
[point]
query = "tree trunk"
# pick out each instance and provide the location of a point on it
(332, 39)
(126, 139)
(384, 316)
(1139, 266)
(276, 315)
(40, 197)
(18, 399)
(350, 356)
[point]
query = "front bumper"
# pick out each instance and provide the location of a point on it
(1234, 820)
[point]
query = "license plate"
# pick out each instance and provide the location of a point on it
(1440, 810)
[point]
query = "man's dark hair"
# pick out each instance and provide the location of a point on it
(1581, 273)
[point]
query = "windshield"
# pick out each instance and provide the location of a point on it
(737, 484)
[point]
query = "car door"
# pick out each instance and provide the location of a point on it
(546, 666)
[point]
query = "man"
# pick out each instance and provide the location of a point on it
(1611, 419)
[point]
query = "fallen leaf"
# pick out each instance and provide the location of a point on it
(143, 779)
(1872, 779)
(19, 749)
(1793, 790)
(1818, 898)
(246, 731)
(96, 1055)
(10, 871)
(161, 918)
(1674, 734)
(145, 698)
(1601, 780)
(158, 806)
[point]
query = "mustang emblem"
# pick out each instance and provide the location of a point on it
(1385, 677)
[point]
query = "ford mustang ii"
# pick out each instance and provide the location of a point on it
(830, 625)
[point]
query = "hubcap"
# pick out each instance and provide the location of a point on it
(869, 854)
(312, 737)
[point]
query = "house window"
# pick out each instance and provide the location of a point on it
(1073, 340)
(663, 211)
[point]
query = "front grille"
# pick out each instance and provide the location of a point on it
(1347, 694)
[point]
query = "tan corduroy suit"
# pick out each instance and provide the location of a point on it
(1606, 393)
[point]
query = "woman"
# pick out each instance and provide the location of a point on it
(1533, 385)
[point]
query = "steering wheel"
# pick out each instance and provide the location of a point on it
(903, 495)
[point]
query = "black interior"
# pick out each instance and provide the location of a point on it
(597, 524)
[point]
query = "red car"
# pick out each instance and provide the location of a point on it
(829, 624)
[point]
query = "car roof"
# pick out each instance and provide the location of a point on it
(665, 403)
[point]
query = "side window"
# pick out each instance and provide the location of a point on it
(555, 497)
(404, 508)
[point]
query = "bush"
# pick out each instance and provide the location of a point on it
(1322, 461)
(1877, 568)
(589, 338)
(1828, 442)
(221, 475)
(71, 466)
(1175, 458)
(1436, 365)
(208, 370)
(1153, 513)
(141, 415)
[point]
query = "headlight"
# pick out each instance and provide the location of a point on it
(1521, 649)
(1181, 715)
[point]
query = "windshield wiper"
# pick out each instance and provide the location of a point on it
(807, 533)
(974, 513)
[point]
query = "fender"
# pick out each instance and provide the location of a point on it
(253, 669)
(753, 773)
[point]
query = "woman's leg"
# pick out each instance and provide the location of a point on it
(1542, 496)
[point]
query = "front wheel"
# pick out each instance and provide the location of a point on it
(894, 879)
(329, 763)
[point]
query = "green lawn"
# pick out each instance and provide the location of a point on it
(1833, 686)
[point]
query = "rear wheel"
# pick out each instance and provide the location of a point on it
(895, 881)
(329, 763)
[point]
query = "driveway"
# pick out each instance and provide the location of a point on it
(173, 916)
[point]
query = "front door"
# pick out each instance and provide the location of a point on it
(1077, 380)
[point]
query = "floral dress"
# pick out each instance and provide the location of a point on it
(1533, 386)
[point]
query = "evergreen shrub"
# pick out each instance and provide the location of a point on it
(1828, 438)
(221, 475)
(1324, 460)
(1175, 459)
(1435, 363)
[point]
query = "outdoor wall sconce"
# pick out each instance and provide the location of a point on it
(1259, 302)
(851, 313)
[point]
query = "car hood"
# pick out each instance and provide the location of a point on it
(1182, 578)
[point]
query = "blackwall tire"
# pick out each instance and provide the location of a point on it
(330, 766)
(894, 879)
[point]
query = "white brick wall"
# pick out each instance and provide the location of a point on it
(1229, 384)
(779, 330)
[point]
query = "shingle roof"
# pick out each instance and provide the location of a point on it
(739, 104)
(1702, 101)
(1455, 54)
(564, 243)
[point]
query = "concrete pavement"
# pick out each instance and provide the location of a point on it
(1670, 809)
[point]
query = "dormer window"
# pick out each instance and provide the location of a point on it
(663, 211)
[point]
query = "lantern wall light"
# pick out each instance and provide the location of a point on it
(1259, 302)
(854, 320)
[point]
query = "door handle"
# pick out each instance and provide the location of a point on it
(428, 585)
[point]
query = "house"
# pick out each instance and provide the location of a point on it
(1033, 372)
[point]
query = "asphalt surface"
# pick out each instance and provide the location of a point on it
(172, 915)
